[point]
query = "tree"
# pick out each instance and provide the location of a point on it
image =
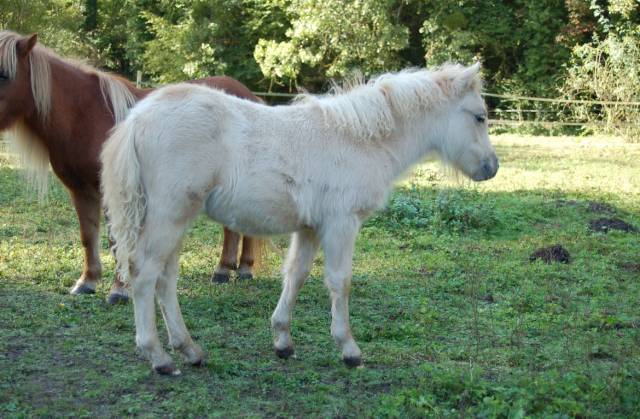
(211, 37)
(57, 22)
(331, 38)
(607, 68)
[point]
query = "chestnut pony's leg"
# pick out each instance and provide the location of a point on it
(228, 258)
(118, 293)
(88, 209)
(247, 258)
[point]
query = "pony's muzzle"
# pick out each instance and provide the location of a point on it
(488, 169)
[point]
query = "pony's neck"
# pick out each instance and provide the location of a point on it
(78, 108)
(411, 142)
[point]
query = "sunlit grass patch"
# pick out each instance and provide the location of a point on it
(452, 316)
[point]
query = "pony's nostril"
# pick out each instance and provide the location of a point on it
(490, 168)
(487, 169)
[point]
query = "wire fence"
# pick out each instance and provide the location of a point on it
(560, 116)
(544, 118)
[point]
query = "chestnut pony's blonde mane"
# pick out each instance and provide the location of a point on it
(370, 109)
(33, 155)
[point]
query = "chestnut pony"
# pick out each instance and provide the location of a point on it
(58, 111)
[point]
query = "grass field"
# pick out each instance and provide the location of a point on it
(452, 317)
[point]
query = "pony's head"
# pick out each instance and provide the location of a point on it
(463, 129)
(21, 74)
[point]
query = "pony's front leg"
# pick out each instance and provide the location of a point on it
(144, 286)
(297, 266)
(179, 336)
(338, 242)
(228, 258)
(88, 209)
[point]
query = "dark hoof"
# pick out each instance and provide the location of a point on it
(168, 369)
(83, 289)
(284, 353)
(220, 278)
(114, 299)
(245, 277)
(199, 363)
(353, 362)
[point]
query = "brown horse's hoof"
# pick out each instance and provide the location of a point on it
(168, 369)
(353, 362)
(284, 353)
(114, 299)
(82, 289)
(245, 276)
(219, 278)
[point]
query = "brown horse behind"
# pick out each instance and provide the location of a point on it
(59, 112)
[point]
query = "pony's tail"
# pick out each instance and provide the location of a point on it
(123, 194)
(259, 249)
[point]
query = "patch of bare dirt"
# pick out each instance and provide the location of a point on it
(555, 253)
(600, 207)
(631, 267)
(604, 225)
(601, 354)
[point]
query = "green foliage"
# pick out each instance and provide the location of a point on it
(204, 38)
(181, 51)
(453, 390)
(527, 47)
(56, 21)
(608, 69)
(449, 211)
(470, 30)
(332, 38)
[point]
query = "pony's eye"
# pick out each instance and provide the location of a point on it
(481, 118)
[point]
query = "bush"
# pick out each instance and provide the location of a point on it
(607, 70)
(451, 211)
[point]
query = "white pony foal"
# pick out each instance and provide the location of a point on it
(316, 168)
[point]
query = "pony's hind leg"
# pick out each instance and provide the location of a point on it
(228, 258)
(338, 242)
(88, 209)
(143, 289)
(166, 292)
(155, 257)
(247, 258)
(297, 266)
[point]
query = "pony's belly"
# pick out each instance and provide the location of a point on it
(251, 216)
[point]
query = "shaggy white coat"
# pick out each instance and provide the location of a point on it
(316, 168)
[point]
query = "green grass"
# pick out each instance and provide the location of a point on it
(451, 316)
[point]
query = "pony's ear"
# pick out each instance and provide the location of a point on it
(468, 79)
(26, 44)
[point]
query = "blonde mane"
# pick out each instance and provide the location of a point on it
(33, 155)
(369, 110)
